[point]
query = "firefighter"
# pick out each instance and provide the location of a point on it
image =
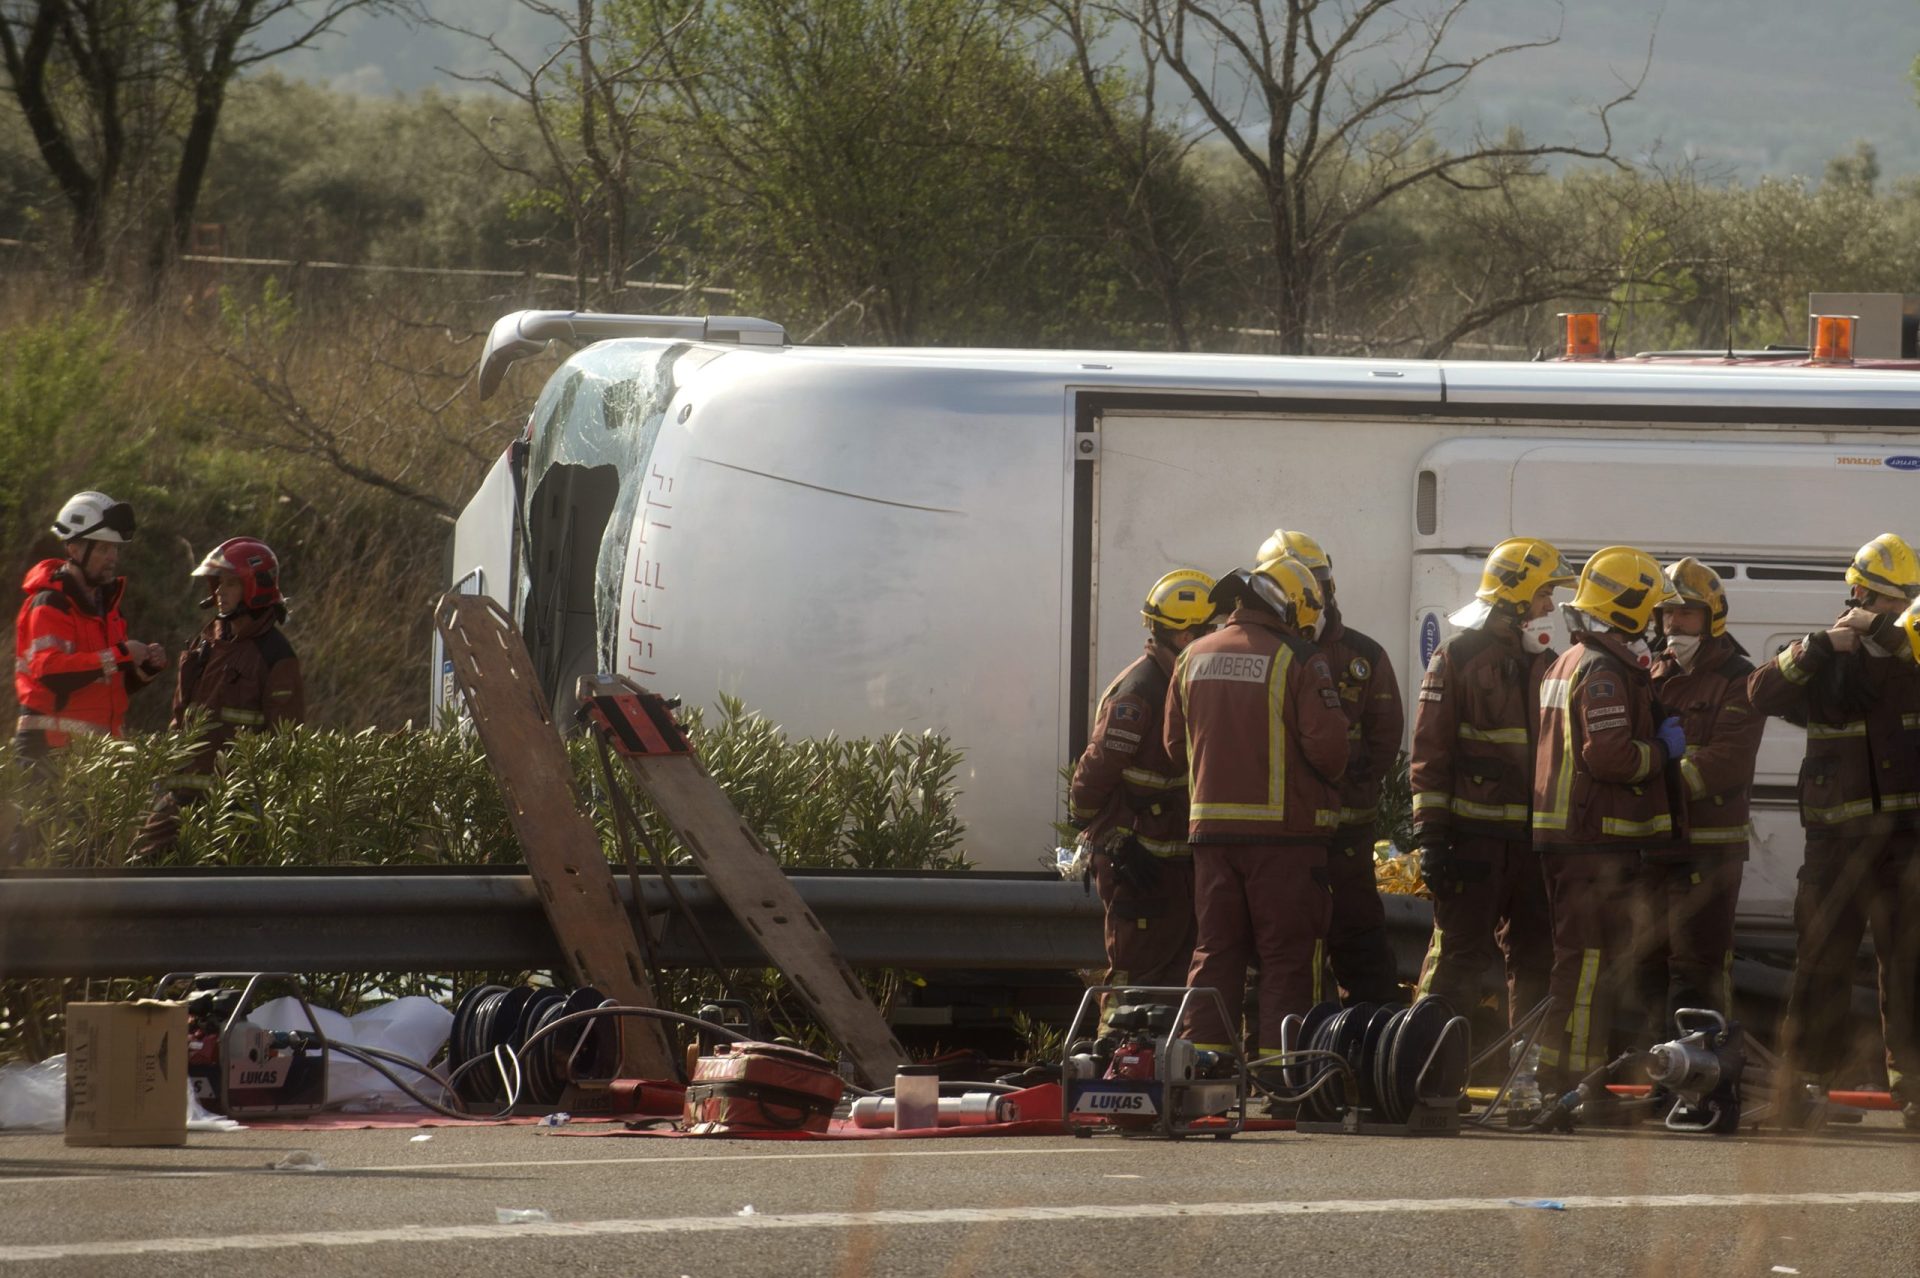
(1599, 800)
(240, 672)
(1471, 774)
(1255, 723)
(74, 666)
(1357, 947)
(1131, 803)
(1689, 887)
(1856, 690)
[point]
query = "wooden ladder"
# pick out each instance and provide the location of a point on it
(562, 847)
(639, 726)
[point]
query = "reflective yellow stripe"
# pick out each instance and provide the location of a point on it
(1719, 833)
(1725, 992)
(1696, 784)
(1153, 780)
(1580, 1023)
(1645, 765)
(1319, 968)
(187, 781)
(1557, 694)
(234, 714)
(1235, 812)
(1494, 736)
(1358, 816)
(1163, 847)
(1432, 963)
(1490, 811)
(1835, 731)
(1910, 720)
(1791, 668)
(1899, 802)
(1662, 824)
(1427, 800)
(1084, 814)
(1277, 728)
(58, 723)
(1326, 818)
(1839, 812)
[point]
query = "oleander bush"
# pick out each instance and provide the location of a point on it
(323, 797)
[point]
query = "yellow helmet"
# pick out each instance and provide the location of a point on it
(1692, 582)
(1179, 600)
(1288, 587)
(1620, 587)
(1301, 547)
(1516, 570)
(1910, 627)
(1886, 565)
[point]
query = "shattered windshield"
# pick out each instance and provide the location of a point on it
(602, 409)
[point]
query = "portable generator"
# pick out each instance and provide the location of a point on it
(1140, 1078)
(240, 1069)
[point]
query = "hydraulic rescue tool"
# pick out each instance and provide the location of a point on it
(241, 1069)
(1703, 1068)
(1140, 1078)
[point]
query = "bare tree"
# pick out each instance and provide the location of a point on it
(1329, 107)
(1166, 243)
(587, 115)
(87, 73)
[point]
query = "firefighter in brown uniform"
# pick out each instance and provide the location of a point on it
(1357, 946)
(1131, 803)
(1689, 888)
(1471, 773)
(1255, 722)
(1859, 696)
(1599, 801)
(240, 671)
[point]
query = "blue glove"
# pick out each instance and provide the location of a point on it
(1672, 736)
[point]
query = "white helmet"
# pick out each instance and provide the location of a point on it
(92, 516)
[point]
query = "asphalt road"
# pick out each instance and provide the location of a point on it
(1842, 1202)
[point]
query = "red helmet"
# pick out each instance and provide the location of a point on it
(254, 563)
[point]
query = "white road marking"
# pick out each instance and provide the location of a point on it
(732, 1223)
(81, 1173)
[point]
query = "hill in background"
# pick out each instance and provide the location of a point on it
(1748, 87)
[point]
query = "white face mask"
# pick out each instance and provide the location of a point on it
(1685, 649)
(1537, 635)
(1641, 653)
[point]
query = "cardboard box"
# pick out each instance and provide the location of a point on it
(127, 1073)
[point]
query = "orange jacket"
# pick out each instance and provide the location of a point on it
(1255, 722)
(1599, 772)
(71, 672)
(1124, 778)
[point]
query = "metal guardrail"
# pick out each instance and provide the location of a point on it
(436, 919)
(122, 923)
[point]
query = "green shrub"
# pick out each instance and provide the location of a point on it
(322, 797)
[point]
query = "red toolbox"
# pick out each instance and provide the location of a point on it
(761, 1087)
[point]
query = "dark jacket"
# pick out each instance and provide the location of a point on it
(1599, 780)
(1124, 778)
(1370, 695)
(1255, 721)
(1862, 714)
(1723, 737)
(243, 673)
(1471, 770)
(71, 671)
